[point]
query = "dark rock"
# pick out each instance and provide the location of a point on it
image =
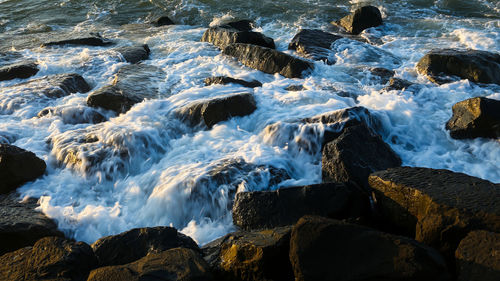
(267, 209)
(51, 258)
(268, 60)
(220, 109)
(475, 118)
(477, 66)
(383, 73)
(438, 207)
(161, 21)
(477, 257)
(257, 255)
(326, 249)
(313, 44)
(222, 37)
(398, 84)
(18, 70)
(137, 243)
(74, 114)
(55, 86)
(227, 80)
(18, 166)
(134, 54)
(83, 41)
(241, 25)
(363, 18)
(295, 88)
(113, 98)
(171, 265)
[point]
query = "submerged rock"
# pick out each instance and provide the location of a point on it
(398, 84)
(82, 41)
(74, 114)
(54, 86)
(475, 118)
(383, 73)
(228, 80)
(477, 257)
(362, 18)
(161, 21)
(241, 25)
(268, 60)
(21, 70)
(134, 54)
(113, 98)
(18, 166)
(223, 36)
(295, 88)
(313, 44)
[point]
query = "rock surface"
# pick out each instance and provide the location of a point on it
(21, 70)
(475, 118)
(383, 74)
(164, 20)
(398, 84)
(222, 37)
(82, 41)
(478, 257)
(18, 166)
(241, 25)
(362, 18)
(313, 44)
(55, 86)
(134, 54)
(228, 80)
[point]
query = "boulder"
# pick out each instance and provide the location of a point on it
(313, 44)
(383, 74)
(398, 84)
(81, 41)
(171, 265)
(438, 207)
(241, 25)
(477, 257)
(228, 80)
(222, 37)
(362, 18)
(21, 70)
(268, 60)
(161, 21)
(74, 114)
(134, 54)
(477, 66)
(475, 118)
(53, 86)
(113, 98)
(51, 258)
(257, 255)
(18, 166)
(137, 243)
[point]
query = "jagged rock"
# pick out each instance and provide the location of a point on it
(295, 88)
(137, 243)
(83, 41)
(477, 257)
(134, 54)
(398, 84)
(51, 258)
(439, 207)
(477, 66)
(22, 70)
(216, 110)
(222, 37)
(164, 20)
(18, 166)
(363, 18)
(475, 118)
(268, 60)
(267, 209)
(326, 249)
(383, 73)
(313, 44)
(74, 114)
(227, 80)
(257, 255)
(171, 265)
(241, 25)
(54, 86)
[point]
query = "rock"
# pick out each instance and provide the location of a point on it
(241, 25)
(295, 88)
(384, 74)
(227, 80)
(477, 66)
(398, 84)
(268, 60)
(356, 153)
(439, 207)
(82, 41)
(267, 209)
(74, 114)
(54, 86)
(363, 18)
(257, 255)
(21, 70)
(313, 44)
(137, 243)
(18, 166)
(222, 37)
(51, 258)
(477, 257)
(475, 118)
(171, 265)
(164, 20)
(216, 110)
(113, 98)
(21, 225)
(326, 249)
(134, 54)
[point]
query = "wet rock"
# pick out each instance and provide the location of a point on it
(267, 209)
(241, 25)
(477, 257)
(363, 18)
(18, 166)
(477, 66)
(383, 73)
(439, 207)
(82, 41)
(313, 44)
(21, 70)
(222, 37)
(164, 20)
(326, 249)
(227, 80)
(74, 114)
(137, 243)
(295, 88)
(257, 255)
(134, 54)
(51, 258)
(171, 265)
(21, 225)
(54, 86)
(398, 84)
(216, 110)
(475, 118)
(268, 60)
(113, 98)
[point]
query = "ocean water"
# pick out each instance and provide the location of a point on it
(146, 168)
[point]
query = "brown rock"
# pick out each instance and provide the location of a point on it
(18, 70)
(475, 117)
(363, 18)
(18, 166)
(224, 36)
(478, 257)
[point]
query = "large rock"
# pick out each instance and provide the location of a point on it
(81, 41)
(216, 110)
(268, 60)
(241, 25)
(362, 18)
(474, 118)
(477, 66)
(313, 44)
(51, 258)
(224, 36)
(246, 256)
(161, 21)
(54, 86)
(398, 84)
(229, 80)
(326, 249)
(137, 243)
(134, 54)
(73, 114)
(18, 166)
(171, 265)
(267, 209)
(478, 257)
(21, 70)
(439, 207)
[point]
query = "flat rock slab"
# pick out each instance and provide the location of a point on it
(223, 36)
(477, 257)
(82, 41)
(18, 166)
(134, 54)
(474, 118)
(361, 19)
(21, 70)
(313, 44)
(224, 80)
